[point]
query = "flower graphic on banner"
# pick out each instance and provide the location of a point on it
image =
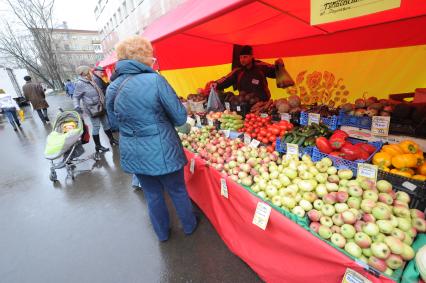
(319, 87)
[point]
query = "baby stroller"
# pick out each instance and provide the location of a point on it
(65, 142)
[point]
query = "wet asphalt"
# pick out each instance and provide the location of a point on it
(95, 228)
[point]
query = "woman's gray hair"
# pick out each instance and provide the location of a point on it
(82, 70)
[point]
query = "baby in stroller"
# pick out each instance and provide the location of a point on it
(65, 143)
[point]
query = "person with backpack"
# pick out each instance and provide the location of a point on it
(251, 76)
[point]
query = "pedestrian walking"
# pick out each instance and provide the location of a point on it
(69, 88)
(93, 104)
(10, 108)
(34, 93)
(148, 110)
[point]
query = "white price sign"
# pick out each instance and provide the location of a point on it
(351, 276)
(264, 115)
(192, 166)
(409, 185)
(380, 126)
(227, 133)
(292, 151)
(198, 120)
(227, 106)
(223, 188)
(261, 216)
(314, 118)
(247, 139)
(368, 171)
(285, 117)
(254, 143)
(238, 108)
(210, 122)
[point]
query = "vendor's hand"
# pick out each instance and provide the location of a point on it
(279, 61)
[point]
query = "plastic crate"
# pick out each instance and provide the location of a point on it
(330, 122)
(341, 163)
(354, 121)
(302, 150)
(401, 183)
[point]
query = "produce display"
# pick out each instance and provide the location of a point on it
(369, 107)
(338, 145)
(214, 115)
(290, 105)
(323, 110)
(306, 135)
(267, 107)
(404, 159)
(196, 97)
(231, 121)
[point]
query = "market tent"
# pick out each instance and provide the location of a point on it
(201, 33)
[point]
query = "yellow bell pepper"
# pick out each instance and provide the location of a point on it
(419, 177)
(420, 157)
(405, 161)
(408, 170)
(421, 170)
(392, 149)
(382, 159)
(386, 169)
(408, 146)
(401, 173)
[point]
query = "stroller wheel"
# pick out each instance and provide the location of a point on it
(53, 177)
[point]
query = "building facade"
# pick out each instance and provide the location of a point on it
(118, 19)
(75, 48)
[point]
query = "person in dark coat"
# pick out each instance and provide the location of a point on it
(34, 93)
(69, 88)
(98, 74)
(148, 110)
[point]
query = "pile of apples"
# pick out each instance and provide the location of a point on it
(369, 221)
(230, 157)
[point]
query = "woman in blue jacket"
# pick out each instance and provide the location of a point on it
(148, 110)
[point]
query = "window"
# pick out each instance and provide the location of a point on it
(120, 15)
(125, 12)
(115, 22)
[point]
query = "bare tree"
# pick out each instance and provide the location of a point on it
(36, 49)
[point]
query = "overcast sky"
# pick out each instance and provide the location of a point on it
(77, 13)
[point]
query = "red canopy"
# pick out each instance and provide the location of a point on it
(201, 33)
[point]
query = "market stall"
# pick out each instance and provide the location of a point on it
(332, 140)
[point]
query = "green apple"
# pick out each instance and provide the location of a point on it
(385, 226)
(299, 211)
(347, 231)
(324, 232)
(338, 240)
(328, 210)
(381, 213)
(318, 204)
(380, 250)
(384, 186)
(369, 194)
(396, 246)
(353, 249)
(371, 229)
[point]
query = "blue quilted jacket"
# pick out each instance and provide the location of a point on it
(147, 111)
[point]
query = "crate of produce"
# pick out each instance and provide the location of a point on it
(282, 148)
(341, 163)
(354, 121)
(331, 122)
(415, 188)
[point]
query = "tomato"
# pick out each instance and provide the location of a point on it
(268, 134)
(262, 132)
(282, 133)
(274, 143)
(256, 130)
(270, 148)
(254, 135)
(265, 141)
(272, 138)
(275, 131)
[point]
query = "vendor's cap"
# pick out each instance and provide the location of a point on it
(246, 50)
(99, 68)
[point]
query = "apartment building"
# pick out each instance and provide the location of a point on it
(118, 19)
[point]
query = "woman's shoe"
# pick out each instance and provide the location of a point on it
(100, 148)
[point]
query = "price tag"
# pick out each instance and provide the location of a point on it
(227, 133)
(210, 122)
(261, 216)
(368, 171)
(254, 143)
(198, 120)
(247, 139)
(351, 276)
(292, 151)
(227, 106)
(409, 185)
(264, 115)
(380, 126)
(223, 188)
(238, 108)
(314, 118)
(192, 166)
(285, 117)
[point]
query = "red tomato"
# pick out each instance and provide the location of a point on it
(262, 132)
(282, 133)
(265, 140)
(272, 138)
(270, 148)
(274, 143)
(254, 135)
(275, 131)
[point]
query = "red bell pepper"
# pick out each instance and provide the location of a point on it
(363, 154)
(337, 141)
(340, 133)
(370, 149)
(350, 151)
(323, 145)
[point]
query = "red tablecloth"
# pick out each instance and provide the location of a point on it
(284, 252)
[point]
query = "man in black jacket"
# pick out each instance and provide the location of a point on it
(251, 76)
